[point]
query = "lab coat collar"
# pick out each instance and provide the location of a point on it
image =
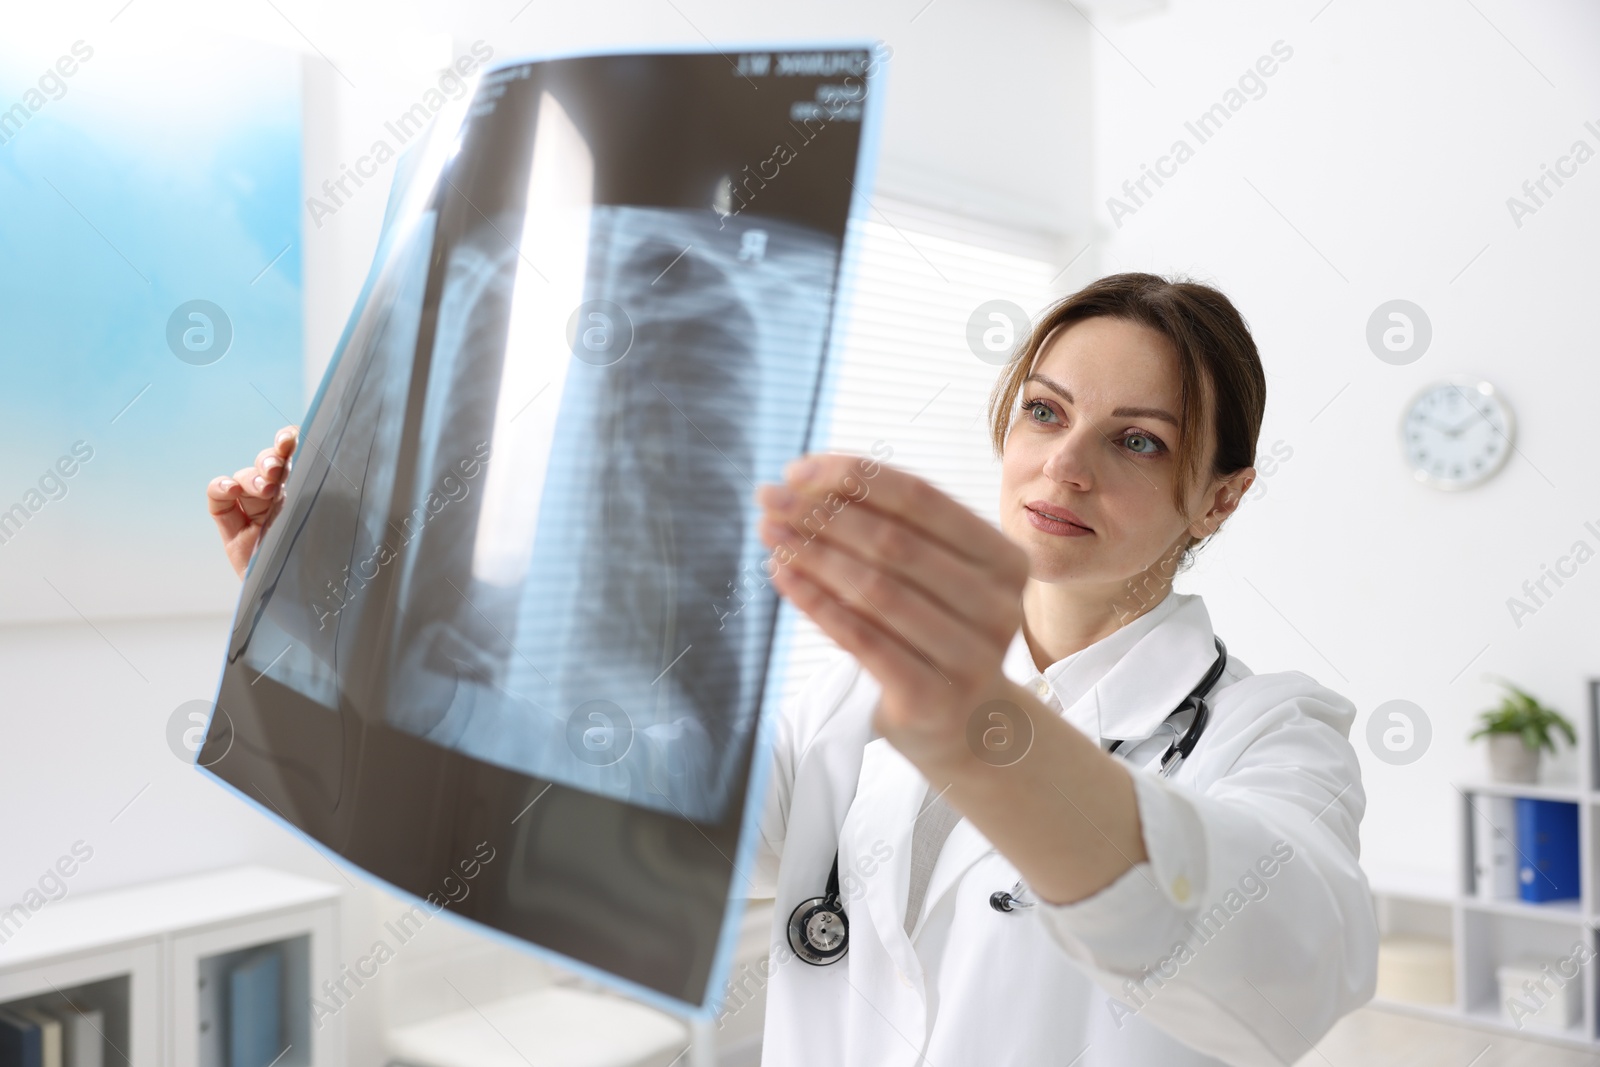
(1127, 683)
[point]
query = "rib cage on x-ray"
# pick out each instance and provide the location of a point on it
(644, 603)
(445, 634)
(672, 453)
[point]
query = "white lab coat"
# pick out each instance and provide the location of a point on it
(1246, 934)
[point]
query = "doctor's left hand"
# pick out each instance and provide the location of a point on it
(923, 592)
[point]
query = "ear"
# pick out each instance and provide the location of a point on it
(1224, 496)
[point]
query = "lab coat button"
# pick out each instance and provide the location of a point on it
(1042, 687)
(1180, 889)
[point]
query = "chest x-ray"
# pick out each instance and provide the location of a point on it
(515, 602)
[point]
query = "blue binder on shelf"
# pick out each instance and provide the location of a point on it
(255, 1010)
(20, 1041)
(1547, 847)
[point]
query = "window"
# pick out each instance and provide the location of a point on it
(906, 375)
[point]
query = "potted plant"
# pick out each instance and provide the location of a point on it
(1518, 729)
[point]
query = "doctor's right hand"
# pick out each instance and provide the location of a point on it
(245, 503)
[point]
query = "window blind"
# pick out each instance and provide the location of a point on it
(906, 375)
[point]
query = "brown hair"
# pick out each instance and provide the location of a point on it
(1214, 350)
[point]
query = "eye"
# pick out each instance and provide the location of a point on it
(1150, 445)
(1033, 407)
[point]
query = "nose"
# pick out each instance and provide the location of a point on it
(1071, 460)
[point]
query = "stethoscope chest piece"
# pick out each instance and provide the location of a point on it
(819, 930)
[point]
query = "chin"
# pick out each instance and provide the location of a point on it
(1048, 563)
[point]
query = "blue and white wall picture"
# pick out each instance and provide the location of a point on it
(150, 292)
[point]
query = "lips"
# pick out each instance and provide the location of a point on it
(1059, 514)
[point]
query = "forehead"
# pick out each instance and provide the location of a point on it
(1115, 361)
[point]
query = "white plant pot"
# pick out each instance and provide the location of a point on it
(1512, 761)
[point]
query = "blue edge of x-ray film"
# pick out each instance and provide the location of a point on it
(866, 171)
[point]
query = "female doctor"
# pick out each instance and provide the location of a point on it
(1012, 891)
(1035, 814)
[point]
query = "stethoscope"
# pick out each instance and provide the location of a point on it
(819, 930)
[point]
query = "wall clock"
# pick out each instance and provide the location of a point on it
(1455, 434)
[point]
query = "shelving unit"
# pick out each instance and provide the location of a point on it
(1486, 933)
(151, 957)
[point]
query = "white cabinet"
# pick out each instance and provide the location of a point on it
(1486, 934)
(123, 983)
(152, 959)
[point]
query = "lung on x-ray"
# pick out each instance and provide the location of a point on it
(513, 617)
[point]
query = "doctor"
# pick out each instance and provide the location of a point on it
(1012, 892)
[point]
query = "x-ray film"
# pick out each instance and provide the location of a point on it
(513, 617)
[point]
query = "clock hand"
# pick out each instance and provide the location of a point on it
(1474, 417)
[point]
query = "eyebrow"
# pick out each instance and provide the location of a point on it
(1123, 412)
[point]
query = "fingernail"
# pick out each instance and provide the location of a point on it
(227, 483)
(800, 470)
(259, 482)
(271, 465)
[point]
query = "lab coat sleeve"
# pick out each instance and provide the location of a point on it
(1250, 929)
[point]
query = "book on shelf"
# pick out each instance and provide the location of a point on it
(1494, 850)
(21, 1041)
(85, 1043)
(1547, 848)
(255, 1013)
(49, 1035)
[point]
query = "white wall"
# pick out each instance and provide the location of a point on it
(1377, 166)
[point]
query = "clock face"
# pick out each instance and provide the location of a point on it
(1457, 433)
